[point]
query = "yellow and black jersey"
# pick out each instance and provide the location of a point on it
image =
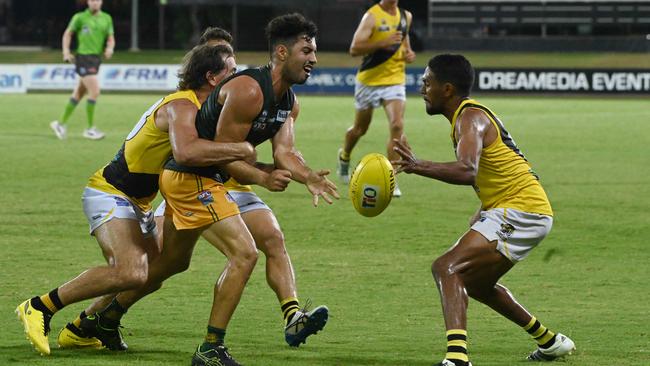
(505, 179)
(135, 169)
(385, 66)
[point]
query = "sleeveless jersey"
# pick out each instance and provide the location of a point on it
(505, 179)
(385, 66)
(263, 127)
(134, 170)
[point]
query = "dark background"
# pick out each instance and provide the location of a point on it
(495, 25)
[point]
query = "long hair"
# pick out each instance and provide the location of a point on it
(198, 62)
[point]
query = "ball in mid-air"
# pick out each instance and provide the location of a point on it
(372, 184)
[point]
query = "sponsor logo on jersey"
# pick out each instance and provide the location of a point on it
(282, 116)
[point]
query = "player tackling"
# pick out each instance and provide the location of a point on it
(514, 217)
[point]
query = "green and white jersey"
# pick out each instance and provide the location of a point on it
(91, 30)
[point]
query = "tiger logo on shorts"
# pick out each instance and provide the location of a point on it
(506, 231)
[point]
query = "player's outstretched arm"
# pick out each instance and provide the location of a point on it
(470, 129)
(188, 149)
(286, 156)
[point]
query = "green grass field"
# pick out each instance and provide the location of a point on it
(589, 279)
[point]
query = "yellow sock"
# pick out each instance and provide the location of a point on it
(289, 306)
(543, 336)
(344, 155)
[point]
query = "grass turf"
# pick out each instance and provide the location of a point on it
(588, 279)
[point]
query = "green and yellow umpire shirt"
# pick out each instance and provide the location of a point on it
(91, 30)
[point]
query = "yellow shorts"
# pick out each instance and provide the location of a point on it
(194, 201)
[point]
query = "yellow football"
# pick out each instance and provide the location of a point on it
(372, 184)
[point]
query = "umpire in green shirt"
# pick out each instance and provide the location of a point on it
(94, 31)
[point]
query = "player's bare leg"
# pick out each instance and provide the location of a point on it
(362, 119)
(395, 114)
(125, 249)
(127, 267)
(472, 267)
(79, 91)
(237, 244)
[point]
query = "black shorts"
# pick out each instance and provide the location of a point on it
(87, 64)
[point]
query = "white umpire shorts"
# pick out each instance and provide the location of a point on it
(100, 207)
(366, 96)
(516, 232)
(247, 201)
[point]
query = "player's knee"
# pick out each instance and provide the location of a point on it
(274, 245)
(440, 268)
(245, 260)
(131, 278)
(358, 131)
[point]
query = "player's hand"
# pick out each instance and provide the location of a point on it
(277, 180)
(319, 186)
(409, 56)
(408, 161)
(67, 57)
(108, 53)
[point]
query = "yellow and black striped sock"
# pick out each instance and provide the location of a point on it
(215, 335)
(457, 347)
(345, 156)
(289, 307)
(543, 336)
(49, 303)
(77, 321)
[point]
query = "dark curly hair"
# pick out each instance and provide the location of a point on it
(198, 62)
(214, 33)
(286, 29)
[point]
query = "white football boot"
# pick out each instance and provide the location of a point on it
(305, 323)
(563, 346)
(93, 133)
(446, 362)
(59, 130)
